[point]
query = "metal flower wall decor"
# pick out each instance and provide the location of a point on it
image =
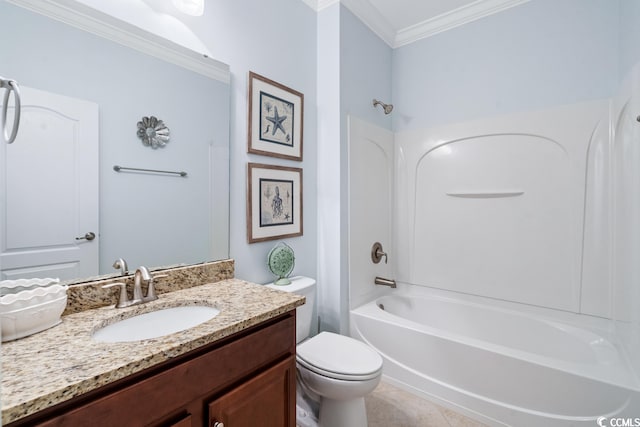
(153, 132)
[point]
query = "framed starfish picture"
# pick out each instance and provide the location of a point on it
(276, 115)
(274, 202)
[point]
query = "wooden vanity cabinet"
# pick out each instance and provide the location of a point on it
(247, 379)
(262, 401)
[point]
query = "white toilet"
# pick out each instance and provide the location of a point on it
(334, 371)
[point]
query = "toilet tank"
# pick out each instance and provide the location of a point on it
(304, 314)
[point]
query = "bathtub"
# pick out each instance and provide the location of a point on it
(496, 364)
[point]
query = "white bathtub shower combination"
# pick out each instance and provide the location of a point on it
(498, 233)
(499, 365)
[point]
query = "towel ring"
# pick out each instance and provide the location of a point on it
(10, 86)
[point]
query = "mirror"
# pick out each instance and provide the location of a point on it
(147, 218)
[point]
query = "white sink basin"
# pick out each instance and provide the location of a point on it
(155, 324)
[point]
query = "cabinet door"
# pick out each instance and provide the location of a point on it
(267, 400)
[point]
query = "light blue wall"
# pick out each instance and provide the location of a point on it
(541, 53)
(629, 35)
(277, 39)
(354, 66)
(545, 52)
(365, 71)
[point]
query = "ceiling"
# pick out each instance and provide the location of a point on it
(400, 22)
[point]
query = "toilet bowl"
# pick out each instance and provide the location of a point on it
(341, 371)
(334, 371)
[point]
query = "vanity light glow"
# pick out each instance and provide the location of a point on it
(190, 7)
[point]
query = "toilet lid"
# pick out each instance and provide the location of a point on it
(339, 357)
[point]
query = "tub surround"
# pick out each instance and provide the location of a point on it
(56, 365)
(523, 258)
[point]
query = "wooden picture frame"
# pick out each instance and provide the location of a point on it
(274, 202)
(276, 119)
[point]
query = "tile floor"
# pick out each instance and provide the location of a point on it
(388, 406)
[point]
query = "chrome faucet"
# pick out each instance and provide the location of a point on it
(121, 264)
(142, 273)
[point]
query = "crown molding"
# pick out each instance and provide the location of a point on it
(455, 18)
(101, 24)
(372, 18)
(368, 14)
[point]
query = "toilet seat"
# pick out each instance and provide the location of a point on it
(337, 375)
(339, 357)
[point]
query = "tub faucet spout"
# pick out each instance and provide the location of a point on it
(385, 282)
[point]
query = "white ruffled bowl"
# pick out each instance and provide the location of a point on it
(32, 310)
(19, 285)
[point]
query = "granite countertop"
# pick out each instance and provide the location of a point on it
(63, 362)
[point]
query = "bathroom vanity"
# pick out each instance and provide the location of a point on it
(235, 369)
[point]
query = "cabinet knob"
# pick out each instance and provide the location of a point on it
(217, 424)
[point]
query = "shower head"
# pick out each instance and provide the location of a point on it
(386, 107)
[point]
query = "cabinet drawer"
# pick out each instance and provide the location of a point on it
(155, 397)
(184, 422)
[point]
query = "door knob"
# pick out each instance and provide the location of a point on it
(89, 236)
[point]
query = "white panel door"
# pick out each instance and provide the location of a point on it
(49, 183)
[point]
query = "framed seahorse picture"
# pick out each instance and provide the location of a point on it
(274, 202)
(276, 116)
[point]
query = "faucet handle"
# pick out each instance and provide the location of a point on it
(151, 289)
(123, 300)
(377, 253)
